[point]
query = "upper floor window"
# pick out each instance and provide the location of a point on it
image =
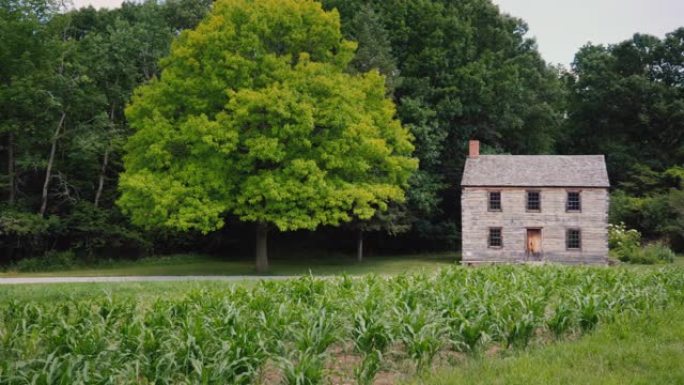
(495, 238)
(573, 239)
(534, 201)
(574, 202)
(494, 201)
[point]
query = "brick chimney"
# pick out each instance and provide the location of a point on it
(473, 148)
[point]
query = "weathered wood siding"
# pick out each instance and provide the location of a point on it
(514, 220)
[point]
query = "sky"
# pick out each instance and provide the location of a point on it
(561, 27)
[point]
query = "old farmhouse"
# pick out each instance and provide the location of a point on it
(519, 208)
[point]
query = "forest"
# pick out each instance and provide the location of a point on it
(453, 70)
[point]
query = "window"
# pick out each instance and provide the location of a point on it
(533, 201)
(495, 239)
(495, 201)
(574, 202)
(573, 239)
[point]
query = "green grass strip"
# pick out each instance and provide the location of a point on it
(647, 349)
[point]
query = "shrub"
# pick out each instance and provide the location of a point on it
(623, 242)
(52, 260)
(626, 246)
(25, 233)
(653, 253)
(95, 231)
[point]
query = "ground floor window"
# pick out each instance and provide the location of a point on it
(495, 238)
(573, 239)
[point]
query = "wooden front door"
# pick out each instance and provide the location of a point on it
(534, 243)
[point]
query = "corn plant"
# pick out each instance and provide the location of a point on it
(421, 334)
(589, 310)
(369, 368)
(561, 319)
(303, 368)
(317, 331)
(216, 336)
(467, 327)
(371, 332)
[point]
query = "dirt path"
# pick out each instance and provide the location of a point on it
(153, 278)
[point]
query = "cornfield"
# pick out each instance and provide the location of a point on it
(298, 331)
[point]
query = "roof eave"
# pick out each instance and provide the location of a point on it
(533, 186)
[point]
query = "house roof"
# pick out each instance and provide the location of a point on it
(536, 171)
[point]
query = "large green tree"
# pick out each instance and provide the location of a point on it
(255, 115)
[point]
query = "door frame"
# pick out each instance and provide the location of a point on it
(529, 254)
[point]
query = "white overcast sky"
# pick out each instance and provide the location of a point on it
(562, 26)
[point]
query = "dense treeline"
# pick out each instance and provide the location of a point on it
(456, 70)
(66, 78)
(627, 101)
(459, 70)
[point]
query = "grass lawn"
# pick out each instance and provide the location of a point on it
(194, 264)
(679, 260)
(648, 349)
(130, 291)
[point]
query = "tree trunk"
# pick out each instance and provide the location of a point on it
(100, 185)
(261, 247)
(11, 173)
(359, 246)
(51, 160)
(105, 161)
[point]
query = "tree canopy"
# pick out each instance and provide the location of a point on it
(203, 165)
(464, 71)
(254, 114)
(626, 100)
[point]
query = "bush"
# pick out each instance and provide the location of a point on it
(623, 242)
(25, 233)
(625, 245)
(94, 231)
(653, 253)
(52, 260)
(653, 203)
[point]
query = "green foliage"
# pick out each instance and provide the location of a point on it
(465, 71)
(652, 202)
(303, 369)
(374, 47)
(626, 246)
(22, 224)
(82, 65)
(625, 101)
(51, 261)
(371, 332)
(101, 232)
(217, 334)
(561, 320)
(623, 241)
(255, 115)
(25, 233)
(370, 366)
(642, 349)
(219, 135)
(652, 253)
